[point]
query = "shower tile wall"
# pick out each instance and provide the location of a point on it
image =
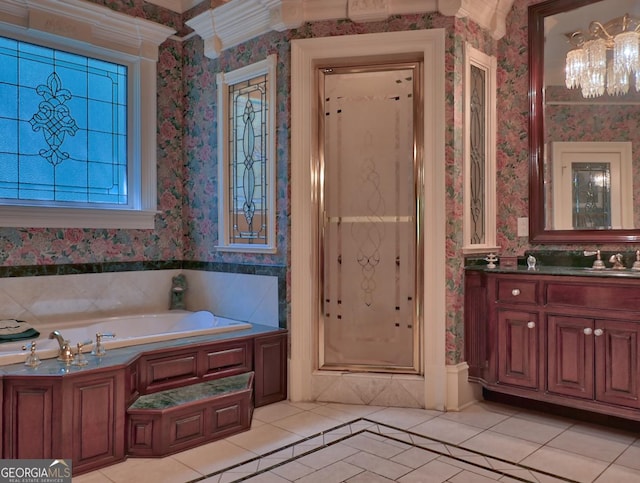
(43, 299)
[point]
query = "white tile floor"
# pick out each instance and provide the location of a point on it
(327, 443)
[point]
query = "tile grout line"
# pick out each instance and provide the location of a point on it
(368, 430)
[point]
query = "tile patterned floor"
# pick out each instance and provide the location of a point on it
(326, 443)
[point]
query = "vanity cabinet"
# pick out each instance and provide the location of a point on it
(594, 359)
(564, 339)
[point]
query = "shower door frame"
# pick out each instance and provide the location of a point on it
(306, 381)
(376, 64)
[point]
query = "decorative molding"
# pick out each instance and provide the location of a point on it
(368, 10)
(489, 14)
(87, 22)
(179, 6)
(238, 21)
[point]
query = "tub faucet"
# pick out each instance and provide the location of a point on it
(65, 354)
(178, 288)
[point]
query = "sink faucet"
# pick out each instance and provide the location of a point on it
(65, 354)
(617, 262)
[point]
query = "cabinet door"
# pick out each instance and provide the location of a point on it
(570, 356)
(30, 431)
(270, 369)
(97, 417)
(518, 348)
(617, 362)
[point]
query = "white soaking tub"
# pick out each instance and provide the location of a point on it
(128, 330)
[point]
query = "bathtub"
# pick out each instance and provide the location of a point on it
(128, 330)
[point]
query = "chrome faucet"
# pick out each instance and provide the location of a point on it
(65, 354)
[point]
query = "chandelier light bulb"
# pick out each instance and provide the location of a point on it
(626, 51)
(576, 65)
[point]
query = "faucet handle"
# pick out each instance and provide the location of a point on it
(598, 264)
(98, 349)
(79, 359)
(32, 359)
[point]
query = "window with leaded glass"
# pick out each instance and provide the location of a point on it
(77, 116)
(479, 227)
(247, 157)
(64, 127)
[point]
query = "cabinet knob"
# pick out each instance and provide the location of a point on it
(515, 292)
(598, 332)
(587, 331)
(531, 324)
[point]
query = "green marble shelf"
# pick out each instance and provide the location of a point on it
(171, 398)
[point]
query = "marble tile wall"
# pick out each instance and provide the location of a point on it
(52, 298)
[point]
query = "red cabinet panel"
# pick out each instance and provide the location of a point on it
(518, 348)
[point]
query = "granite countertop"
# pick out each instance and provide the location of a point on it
(124, 355)
(196, 392)
(555, 270)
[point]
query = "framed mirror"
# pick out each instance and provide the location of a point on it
(584, 135)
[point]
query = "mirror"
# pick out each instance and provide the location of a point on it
(584, 144)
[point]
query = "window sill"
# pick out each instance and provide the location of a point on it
(52, 217)
(246, 248)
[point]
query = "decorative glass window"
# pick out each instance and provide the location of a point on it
(77, 130)
(591, 185)
(246, 147)
(64, 124)
(479, 161)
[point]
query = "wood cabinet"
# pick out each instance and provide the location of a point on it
(30, 430)
(594, 359)
(270, 369)
(81, 414)
(566, 340)
(94, 412)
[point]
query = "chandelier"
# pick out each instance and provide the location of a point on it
(605, 58)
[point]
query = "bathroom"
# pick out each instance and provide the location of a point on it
(50, 274)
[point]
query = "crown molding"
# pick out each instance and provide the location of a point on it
(178, 6)
(237, 21)
(88, 22)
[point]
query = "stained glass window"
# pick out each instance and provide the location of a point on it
(247, 157)
(479, 228)
(63, 127)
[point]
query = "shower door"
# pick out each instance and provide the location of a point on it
(369, 160)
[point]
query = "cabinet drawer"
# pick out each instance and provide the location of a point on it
(228, 359)
(517, 291)
(601, 296)
(168, 371)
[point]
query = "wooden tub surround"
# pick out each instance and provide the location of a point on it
(148, 400)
